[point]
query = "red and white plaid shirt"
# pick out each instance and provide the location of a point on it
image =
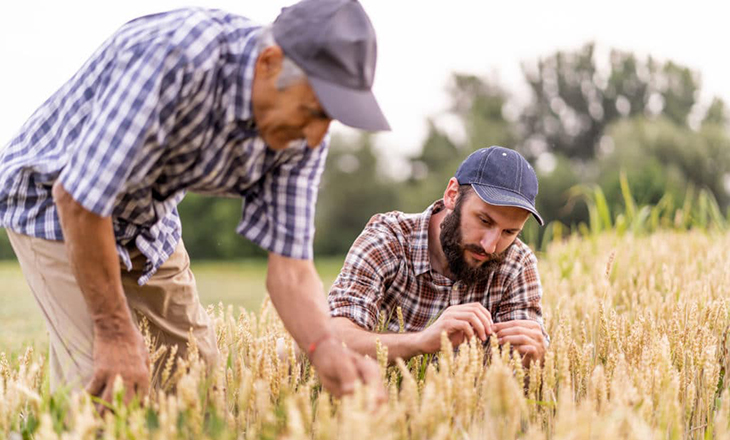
(388, 266)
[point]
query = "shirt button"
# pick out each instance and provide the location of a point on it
(454, 297)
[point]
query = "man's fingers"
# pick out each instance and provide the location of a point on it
(525, 336)
(129, 393)
(535, 334)
(370, 375)
(342, 378)
(525, 350)
(475, 322)
(516, 340)
(107, 395)
(142, 385)
(528, 323)
(96, 385)
(143, 389)
(96, 388)
(486, 318)
(368, 370)
(479, 306)
(481, 312)
(346, 382)
(463, 327)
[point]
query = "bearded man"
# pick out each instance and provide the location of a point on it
(458, 267)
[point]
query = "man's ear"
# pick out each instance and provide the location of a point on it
(269, 62)
(451, 193)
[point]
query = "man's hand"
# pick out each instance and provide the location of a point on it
(339, 368)
(525, 336)
(118, 346)
(122, 353)
(460, 322)
(296, 292)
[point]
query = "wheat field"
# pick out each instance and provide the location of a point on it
(640, 338)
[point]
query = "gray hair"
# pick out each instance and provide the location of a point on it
(290, 72)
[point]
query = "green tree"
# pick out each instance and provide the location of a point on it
(554, 186)
(573, 101)
(353, 190)
(634, 115)
(716, 114)
(6, 251)
(661, 157)
(209, 228)
(478, 106)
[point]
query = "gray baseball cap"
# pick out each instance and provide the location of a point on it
(333, 42)
(501, 177)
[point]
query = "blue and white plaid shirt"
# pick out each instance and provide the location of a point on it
(163, 107)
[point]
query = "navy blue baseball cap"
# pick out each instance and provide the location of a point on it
(501, 177)
(334, 43)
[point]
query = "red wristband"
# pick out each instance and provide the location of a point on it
(313, 346)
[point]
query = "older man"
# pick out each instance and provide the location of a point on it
(189, 100)
(458, 267)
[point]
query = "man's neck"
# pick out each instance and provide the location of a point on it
(436, 255)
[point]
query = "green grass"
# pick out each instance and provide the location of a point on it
(21, 323)
(238, 283)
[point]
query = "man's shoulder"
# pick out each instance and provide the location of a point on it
(220, 20)
(192, 30)
(385, 244)
(393, 224)
(518, 255)
(217, 18)
(393, 230)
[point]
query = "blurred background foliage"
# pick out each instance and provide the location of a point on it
(623, 142)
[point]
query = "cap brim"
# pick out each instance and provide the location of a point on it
(501, 197)
(356, 108)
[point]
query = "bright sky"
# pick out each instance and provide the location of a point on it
(42, 43)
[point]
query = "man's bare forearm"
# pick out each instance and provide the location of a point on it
(91, 248)
(297, 293)
(400, 345)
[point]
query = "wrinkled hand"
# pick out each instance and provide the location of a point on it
(460, 322)
(525, 336)
(122, 353)
(339, 368)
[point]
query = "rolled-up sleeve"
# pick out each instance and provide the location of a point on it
(522, 298)
(369, 268)
(133, 102)
(278, 215)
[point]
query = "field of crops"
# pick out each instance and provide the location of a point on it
(640, 338)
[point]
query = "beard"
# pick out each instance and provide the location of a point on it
(455, 251)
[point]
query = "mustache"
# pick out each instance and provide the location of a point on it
(492, 259)
(477, 250)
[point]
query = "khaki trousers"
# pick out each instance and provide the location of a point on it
(169, 301)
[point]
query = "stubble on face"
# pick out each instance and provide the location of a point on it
(455, 250)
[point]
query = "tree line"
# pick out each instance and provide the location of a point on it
(636, 117)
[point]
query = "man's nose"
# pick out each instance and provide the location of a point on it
(489, 240)
(315, 132)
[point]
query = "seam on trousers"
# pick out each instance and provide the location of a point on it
(48, 319)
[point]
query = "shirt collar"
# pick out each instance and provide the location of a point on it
(419, 239)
